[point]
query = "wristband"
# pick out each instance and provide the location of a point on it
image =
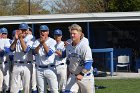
(81, 73)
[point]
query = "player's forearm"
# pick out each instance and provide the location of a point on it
(37, 49)
(23, 45)
(87, 68)
(13, 45)
(46, 48)
(58, 52)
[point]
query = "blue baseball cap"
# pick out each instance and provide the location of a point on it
(4, 30)
(57, 32)
(23, 26)
(44, 28)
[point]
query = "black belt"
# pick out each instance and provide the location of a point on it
(46, 66)
(22, 62)
(60, 64)
(88, 74)
(29, 61)
(5, 62)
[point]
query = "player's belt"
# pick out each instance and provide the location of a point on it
(4, 62)
(46, 66)
(88, 74)
(22, 62)
(60, 64)
(29, 61)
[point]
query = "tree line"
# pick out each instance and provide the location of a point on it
(32, 7)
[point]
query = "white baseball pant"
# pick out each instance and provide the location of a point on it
(1, 77)
(21, 70)
(61, 72)
(6, 76)
(44, 75)
(86, 85)
(33, 80)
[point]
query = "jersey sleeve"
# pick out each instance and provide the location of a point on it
(51, 46)
(87, 58)
(35, 44)
(7, 43)
(87, 54)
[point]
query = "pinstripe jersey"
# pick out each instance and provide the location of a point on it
(30, 56)
(19, 55)
(58, 60)
(77, 56)
(42, 58)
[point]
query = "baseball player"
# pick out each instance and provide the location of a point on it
(11, 57)
(1, 73)
(0, 34)
(21, 68)
(44, 47)
(6, 61)
(79, 61)
(60, 63)
(84, 39)
(31, 58)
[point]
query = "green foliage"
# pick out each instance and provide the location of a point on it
(92, 5)
(123, 5)
(88, 6)
(5, 7)
(21, 7)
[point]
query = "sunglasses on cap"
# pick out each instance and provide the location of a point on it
(43, 30)
(4, 33)
(57, 35)
(23, 29)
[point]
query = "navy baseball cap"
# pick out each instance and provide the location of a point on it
(44, 28)
(4, 30)
(23, 26)
(57, 32)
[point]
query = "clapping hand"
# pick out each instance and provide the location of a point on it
(17, 34)
(42, 39)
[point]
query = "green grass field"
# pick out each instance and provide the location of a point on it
(118, 85)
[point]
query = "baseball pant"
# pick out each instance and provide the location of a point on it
(61, 72)
(6, 77)
(1, 77)
(21, 70)
(33, 80)
(44, 75)
(86, 85)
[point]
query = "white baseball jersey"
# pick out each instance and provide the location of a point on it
(2, 48)
(77, 56)
(58, 60)
(30, 56)
(41, 57)
(19, 55)
(84, 39)
(4, 43)
(29, 37)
